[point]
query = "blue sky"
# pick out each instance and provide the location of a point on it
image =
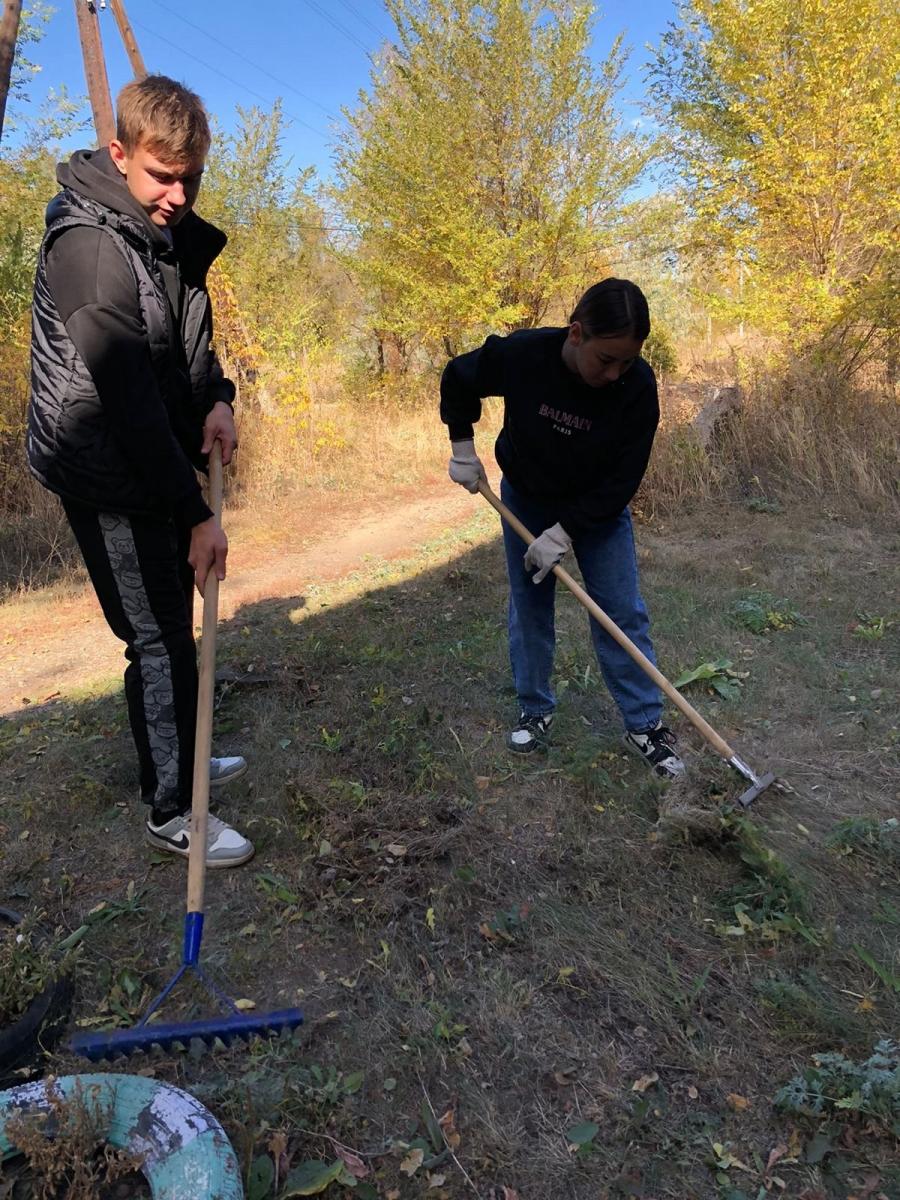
(314, 54)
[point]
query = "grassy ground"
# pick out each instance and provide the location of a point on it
(503, 959)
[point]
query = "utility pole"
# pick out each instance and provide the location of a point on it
(9, 31)
(131, 46)
(95, 70)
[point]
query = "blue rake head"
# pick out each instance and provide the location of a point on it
(177, 1035)
(231, 1026)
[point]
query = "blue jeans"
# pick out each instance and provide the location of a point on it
(608, 565)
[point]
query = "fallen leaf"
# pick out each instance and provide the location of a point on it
(352, 1162)
(776, 1153)
(693, 1094)
(435, 1181)
(641, 1085)
(396, 850)
(867, 1004)
(737, 1102)
(244, 1005)
(412, 1162)
(448, 1127)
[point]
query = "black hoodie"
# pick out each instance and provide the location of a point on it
(582, 450)
(134, 309)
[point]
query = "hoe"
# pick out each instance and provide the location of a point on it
(757, 783)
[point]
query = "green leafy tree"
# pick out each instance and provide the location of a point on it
(276, 289)
(782, 120)
(277, 247)
(484, 172)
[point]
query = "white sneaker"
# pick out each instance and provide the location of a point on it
(225, 847)
(657, 748)
(223, 770)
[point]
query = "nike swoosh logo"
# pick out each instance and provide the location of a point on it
(182, 842)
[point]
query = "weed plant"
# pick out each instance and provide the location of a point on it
(29, 963)
(837, 1086)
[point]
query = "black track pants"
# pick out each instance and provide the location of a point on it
(144, 583)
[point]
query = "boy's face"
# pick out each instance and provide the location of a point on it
(600, 360)
(165, 191)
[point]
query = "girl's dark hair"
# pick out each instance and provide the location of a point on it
(613, 307)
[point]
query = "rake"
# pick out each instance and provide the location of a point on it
(232, 1024)
(757, 783)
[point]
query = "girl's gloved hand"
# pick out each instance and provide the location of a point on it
(546, 551)
(466, 467)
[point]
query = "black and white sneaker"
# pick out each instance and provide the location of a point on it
(531, 733)
(223, 770)
(657, 748)
(225, 847)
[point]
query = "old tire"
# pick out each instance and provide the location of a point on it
(38, 1029)
(185, 1153)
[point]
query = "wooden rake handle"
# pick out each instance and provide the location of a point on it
(718, 743)
(203, 740)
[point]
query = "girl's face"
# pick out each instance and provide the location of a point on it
(599, 360)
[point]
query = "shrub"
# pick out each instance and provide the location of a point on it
(836, 1085)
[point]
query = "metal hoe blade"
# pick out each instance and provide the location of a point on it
(758, 783)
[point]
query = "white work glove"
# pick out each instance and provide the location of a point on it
(465, 465)
(546, 551)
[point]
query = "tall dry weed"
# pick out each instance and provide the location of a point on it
(797, 432)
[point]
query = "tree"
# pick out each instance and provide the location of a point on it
(275, 227)
(782, 119)
(484, 173)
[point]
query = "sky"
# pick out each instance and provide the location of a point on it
(314, 54)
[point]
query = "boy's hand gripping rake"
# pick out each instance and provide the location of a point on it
(232, 1024)
(757, 783)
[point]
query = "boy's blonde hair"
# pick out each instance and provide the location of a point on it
(165, 118)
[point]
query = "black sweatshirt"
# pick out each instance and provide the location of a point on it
(583, 450)
(95, 292)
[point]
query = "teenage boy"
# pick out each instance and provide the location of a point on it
(127, 399)
(580, 414)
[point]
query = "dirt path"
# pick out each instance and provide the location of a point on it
(55, 641)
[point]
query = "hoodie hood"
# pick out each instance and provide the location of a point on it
(93, 174)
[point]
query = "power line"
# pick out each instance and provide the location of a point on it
(243, 57)
(365, 20)
(326, 16)
(242, 86)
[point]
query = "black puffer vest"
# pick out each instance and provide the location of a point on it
(71, 447)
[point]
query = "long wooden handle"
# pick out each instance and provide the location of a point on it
(718, 743)
(203, 740)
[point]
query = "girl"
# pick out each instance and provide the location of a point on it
(580, 414)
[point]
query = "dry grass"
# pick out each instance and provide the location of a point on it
(797, 435)
(67, 1152)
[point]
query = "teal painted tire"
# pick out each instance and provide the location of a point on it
(186, 1155)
